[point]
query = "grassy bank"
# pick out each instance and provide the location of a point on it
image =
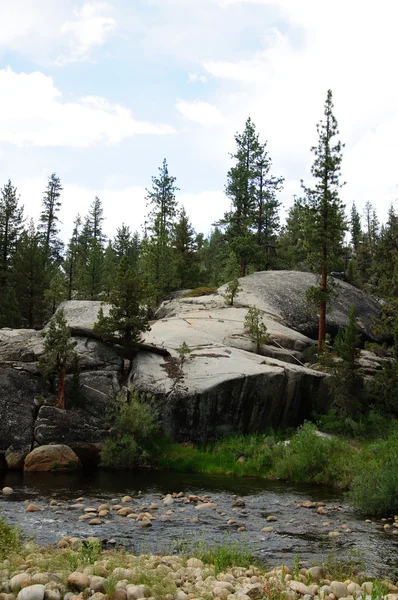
(367, 470)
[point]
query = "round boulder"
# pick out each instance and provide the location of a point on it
(52, 458)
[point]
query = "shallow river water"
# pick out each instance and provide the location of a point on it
(296, 530)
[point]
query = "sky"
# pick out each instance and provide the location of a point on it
(101, 91)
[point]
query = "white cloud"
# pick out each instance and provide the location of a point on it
(90, 29)
(200, 112)
(32, 113)
(194, 77)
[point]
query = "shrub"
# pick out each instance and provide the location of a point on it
(10, 539)
(231, 290)
(133, 435)
(256, 328)
(375, 488)
(200, 291)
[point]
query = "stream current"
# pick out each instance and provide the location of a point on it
(296, 530)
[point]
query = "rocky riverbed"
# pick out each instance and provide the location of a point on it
(160, 512)
(38, 574)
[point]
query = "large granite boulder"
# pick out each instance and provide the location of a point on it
(222, 386)
(282, 295)
(57, 457)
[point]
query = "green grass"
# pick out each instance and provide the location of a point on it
(369, 470)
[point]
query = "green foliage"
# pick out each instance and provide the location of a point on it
(49, 220)
(183, 351)
(375, 488)
(11, 539)
(232, 289)
(324, 219)
(253, 221)
(127, 316)
(133, 437)
(200, 291)
(222, 555)
(59, 348)
(256, 328)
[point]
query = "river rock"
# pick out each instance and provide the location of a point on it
(7, 491)
(97, 584)
(17, 581)
(299, 587)
(32, 508)
(339, 589)
(316, 573)
(196, 563)
(32, 592)
(78, 581)
(15, 457)
(50, 458)
(205, 505)
(135, 592)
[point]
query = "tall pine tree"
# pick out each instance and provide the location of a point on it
(325, 220)
(49, 220)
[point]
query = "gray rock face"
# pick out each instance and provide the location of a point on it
(67, 426)
(17, 392)
(22, 423)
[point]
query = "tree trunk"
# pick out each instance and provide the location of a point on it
(61, 390)
(322, 309)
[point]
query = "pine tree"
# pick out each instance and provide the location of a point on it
(59, 353)
(345, 383)
(29, 278)
(57, 290)
(71, 258)
(355, 227)
(241, 189)
(324, 219)
(266, 215)
(109, 270)
(292, 250)
(157, 255)
(95, 220)
(126, 244)
(214, 256)
(48, 225)
(11, 224)
(127, 316)
(185, 251)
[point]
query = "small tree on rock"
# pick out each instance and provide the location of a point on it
(59, 353)
(256, 328)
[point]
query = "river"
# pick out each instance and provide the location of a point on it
(297, 531)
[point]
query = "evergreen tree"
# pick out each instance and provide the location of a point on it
(345, 383)
(214, 256)
(241, 189)
(29, 278)
(57, 290)
(109, 270)
(72, 257)
(11, 224)
(127, 316)
(292, 249)
(185, 250)
(126, 244)
(355, 227)
(95, 220)
(266, 215)
(48, 224)
(59, 353)
(92, 272)
(324, 218)
(10, 315)
(157, 255)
